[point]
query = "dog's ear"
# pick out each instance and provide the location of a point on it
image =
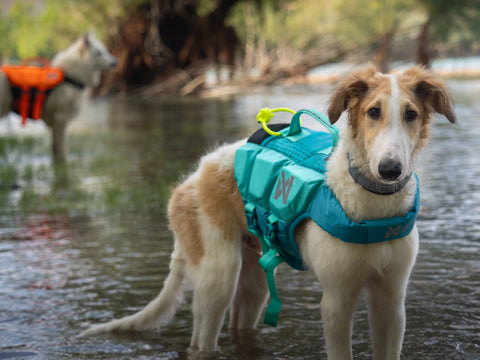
(349, 92)
(86, 40)
(84, 44)
(432, 92)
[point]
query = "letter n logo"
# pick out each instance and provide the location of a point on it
(393, 231)
(283, 188)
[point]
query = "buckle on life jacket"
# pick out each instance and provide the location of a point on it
(252, 219)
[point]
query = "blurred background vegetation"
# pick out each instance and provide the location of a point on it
(168, 44)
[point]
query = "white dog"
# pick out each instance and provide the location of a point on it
(388, 123)
(81, 63)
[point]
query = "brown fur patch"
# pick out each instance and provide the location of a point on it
(429, 90)
(184, 222)
(349, 92)
(221, 201)
(373, 89)
(429, 95)
(377, 96)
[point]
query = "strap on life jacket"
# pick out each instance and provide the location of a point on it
(269, 261)
(33, 79)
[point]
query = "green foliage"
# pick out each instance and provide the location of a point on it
(29, 29)
(293, 27)
(457, 18)
(367, 20)
(266, 27)
(298, 23)
(296, 26)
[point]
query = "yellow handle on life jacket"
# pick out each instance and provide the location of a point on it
(264, 116)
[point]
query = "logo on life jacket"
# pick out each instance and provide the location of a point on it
(283, 188)
(399, 229)
(393, 231)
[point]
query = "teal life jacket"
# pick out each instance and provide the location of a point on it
(282, 182)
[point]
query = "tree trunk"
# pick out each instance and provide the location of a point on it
(423, 54)
(159, 38)
(381, 57)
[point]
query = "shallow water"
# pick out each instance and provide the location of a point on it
(89, 243)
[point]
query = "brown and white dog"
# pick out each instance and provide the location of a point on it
(388, 123)
(82, 62)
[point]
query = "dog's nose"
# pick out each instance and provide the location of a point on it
(390, 169)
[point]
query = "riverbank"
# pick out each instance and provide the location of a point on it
(448, 68)
(468, 67)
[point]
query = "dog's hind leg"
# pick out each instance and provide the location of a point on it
(5, 95)
(252, 289)
(214, 282)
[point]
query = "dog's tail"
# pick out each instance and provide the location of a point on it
(158, 311)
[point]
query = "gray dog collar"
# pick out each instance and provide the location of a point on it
(375, 186)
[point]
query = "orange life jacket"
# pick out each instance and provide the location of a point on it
(30, 85)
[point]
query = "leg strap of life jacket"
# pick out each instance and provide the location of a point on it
(269, 261)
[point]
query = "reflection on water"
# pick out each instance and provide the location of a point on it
(93, 244)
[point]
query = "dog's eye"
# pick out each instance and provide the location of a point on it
(374, 113)
(410, 115)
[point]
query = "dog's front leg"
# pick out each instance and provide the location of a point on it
(58, 128)
(386, 293)
(337, 308)
(332, 260)
(387, 321)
